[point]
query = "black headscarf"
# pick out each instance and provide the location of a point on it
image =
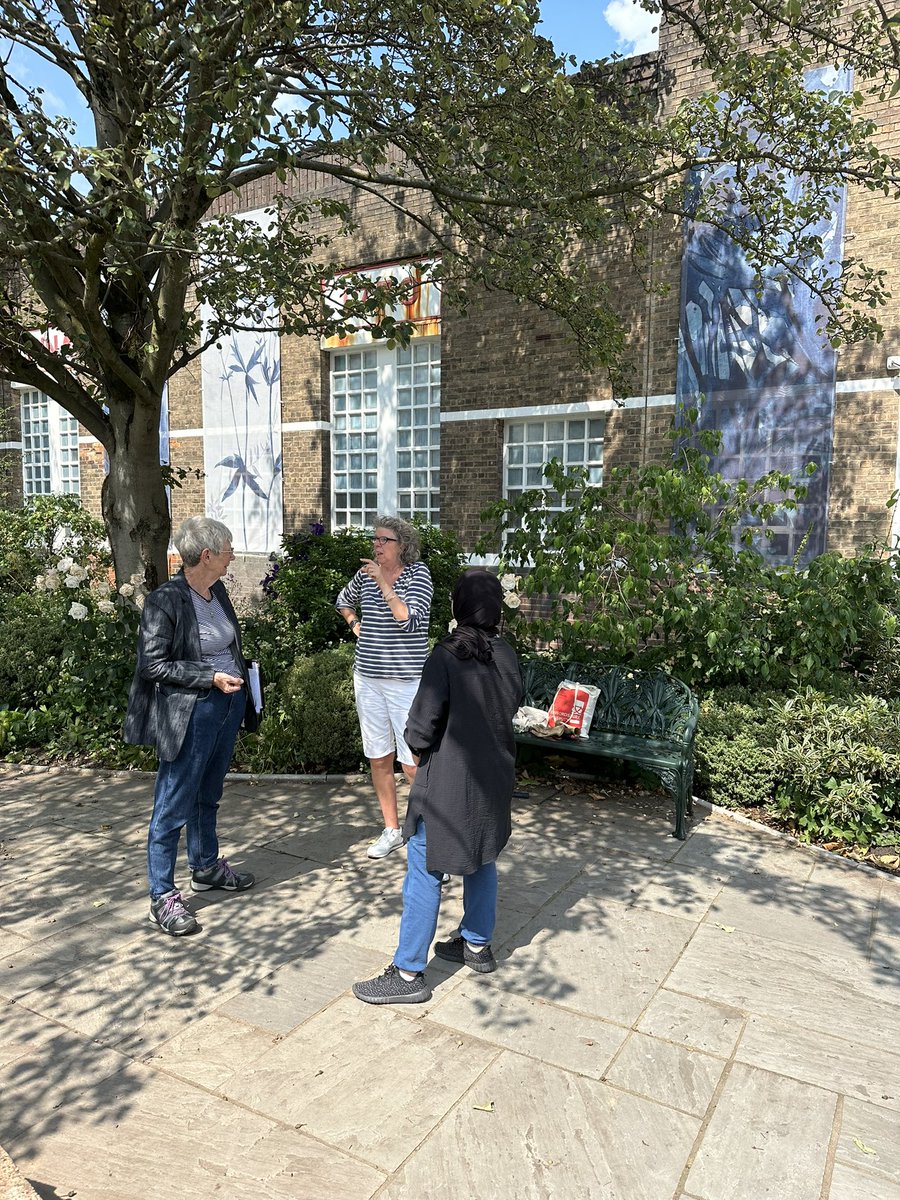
(477, 600)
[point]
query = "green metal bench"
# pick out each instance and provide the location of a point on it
(644, 717)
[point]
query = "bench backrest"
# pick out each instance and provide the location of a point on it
(647, 703)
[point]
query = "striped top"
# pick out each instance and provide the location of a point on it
(385, 648)
(217, 635)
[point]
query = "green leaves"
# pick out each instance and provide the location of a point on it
(651, 567)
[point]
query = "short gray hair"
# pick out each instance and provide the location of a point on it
(197, 534)
(407, 536)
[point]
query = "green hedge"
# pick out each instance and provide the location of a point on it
(310, 724)
(827, 765)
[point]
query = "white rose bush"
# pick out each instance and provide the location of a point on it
(72, 690)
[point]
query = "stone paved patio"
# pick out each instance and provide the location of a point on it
(709, 1020)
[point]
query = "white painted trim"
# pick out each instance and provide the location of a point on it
(184, 434)
(886, 384)
(511, 413)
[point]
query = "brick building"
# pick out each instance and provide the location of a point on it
(290, 431)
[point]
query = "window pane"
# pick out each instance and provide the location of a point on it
(359, 381)
(543, 441)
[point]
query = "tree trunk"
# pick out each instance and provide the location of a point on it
(134, 502)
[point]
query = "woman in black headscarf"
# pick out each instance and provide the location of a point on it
(460, 725)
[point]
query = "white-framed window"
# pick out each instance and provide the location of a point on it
(529, 445)
(385, 442)
(49, 447)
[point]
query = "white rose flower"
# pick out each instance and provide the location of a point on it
(78, 612)
(65, 564)
(78, 572)
(101, 586)
(127, 589)
(512, 599)
(508, 582)
(72, 581)
(137, 579)
(106, 607)
(51, 581)
(39, 583)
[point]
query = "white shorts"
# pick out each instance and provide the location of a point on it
(383, 706)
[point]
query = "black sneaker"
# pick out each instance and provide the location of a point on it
(391, 988)
(457, 950)
(171, 913)
(222, 876)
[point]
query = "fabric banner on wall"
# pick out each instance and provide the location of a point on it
(241, 381)
(758, 371)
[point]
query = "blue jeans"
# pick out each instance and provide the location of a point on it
(189, 788)
(422, 903)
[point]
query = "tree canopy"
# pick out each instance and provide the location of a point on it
(454, 112)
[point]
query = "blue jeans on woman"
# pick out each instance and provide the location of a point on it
(422, 904)
(189, 788)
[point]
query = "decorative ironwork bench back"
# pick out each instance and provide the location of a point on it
(646, 717)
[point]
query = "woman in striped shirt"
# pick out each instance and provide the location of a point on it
(387, 604)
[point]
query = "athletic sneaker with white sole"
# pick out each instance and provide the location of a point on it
(172, 915)
(222, 877)
(390, 840)
(391, 988)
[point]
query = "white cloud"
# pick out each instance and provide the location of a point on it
(636, 28)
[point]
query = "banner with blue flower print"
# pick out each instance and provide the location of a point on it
(241, 382)
(754, 363)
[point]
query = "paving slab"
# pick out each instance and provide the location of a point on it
(797, 984)
(850, 1184)
(362, 1081)
(682, 1078)
(546, 1133)
(708, 1020)
(768, 1136)
(574, 1041)
(688, 1021)
(870, 1139)
(181, 1141)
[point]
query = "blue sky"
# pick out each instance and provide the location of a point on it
(592, 29)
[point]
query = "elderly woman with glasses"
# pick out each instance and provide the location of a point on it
(386, 605)
(188, 700)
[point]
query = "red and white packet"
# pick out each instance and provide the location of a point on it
(573, 706)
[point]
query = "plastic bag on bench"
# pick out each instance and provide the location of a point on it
(528, 719)
(573, 706)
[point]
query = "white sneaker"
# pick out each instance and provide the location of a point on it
(389, 840)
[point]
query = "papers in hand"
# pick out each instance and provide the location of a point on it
(254, 682)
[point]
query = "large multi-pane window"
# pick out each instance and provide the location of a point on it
(49, 447)
(574, 441)
(385, 413)
(419, 430)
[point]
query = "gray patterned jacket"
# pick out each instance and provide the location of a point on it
(170, 672)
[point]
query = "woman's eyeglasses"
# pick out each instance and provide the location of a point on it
(380, 541)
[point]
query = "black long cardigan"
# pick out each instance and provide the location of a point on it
(461, 724)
